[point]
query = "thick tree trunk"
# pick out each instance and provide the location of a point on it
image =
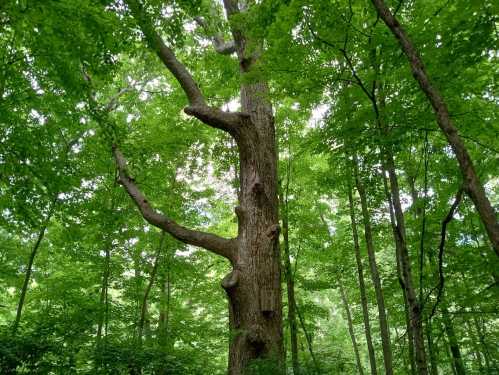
(290, 284)
(473, 186)
(405, 266)
(453, 344)
(253, 286)
(410, 335)
(344, 299)
(362, 285)
(380, 300)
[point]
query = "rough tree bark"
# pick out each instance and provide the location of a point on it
(473, 187)
(253, 286)
(380, 300)
(362, 285)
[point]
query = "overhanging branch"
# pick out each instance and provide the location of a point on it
(218, 245)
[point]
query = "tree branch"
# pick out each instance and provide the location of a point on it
(443, 234)
(219, 44)
(198, 108)
(218, 245)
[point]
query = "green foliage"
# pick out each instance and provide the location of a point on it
(63, 62)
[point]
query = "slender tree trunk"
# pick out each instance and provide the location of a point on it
(29, 267)
(485, 350)
(309, 341)
(476, 348)
(398, 257)
(362, 286)
(432, 349)
(405, 266)
(164, 309)
(152, 278)
(350, 328)
(453, 344)
(449, 356)
(290, 284)
(103, 294)
(383, 322)
(473, 186)
(409, 329)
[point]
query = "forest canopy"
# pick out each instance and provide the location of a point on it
(249, 187)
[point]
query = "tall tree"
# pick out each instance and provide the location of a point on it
(473, 186)
(253, 286)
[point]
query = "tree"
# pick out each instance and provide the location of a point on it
(253, 286)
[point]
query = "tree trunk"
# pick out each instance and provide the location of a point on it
(164, 308)
(398, 257)
(476, 348)
(152, 278)
(253, 286)
(290, 284)
(405, 266)
(29, 267)
(380, 300)
(103, 294)
(362, 286)
(350, 329)
(473, 186)
(485, 349)
(309, 341)
(432, 349)
(454, 346)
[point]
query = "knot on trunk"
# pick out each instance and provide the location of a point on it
(230, 280)
(255, 335)
(257, 186)
(273, 231)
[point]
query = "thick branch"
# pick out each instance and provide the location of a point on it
(198, 108)
(216, 118)
(165, 54)
(218, 245)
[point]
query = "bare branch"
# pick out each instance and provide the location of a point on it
(218, 245)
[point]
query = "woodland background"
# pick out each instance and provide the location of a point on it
(105, 292)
